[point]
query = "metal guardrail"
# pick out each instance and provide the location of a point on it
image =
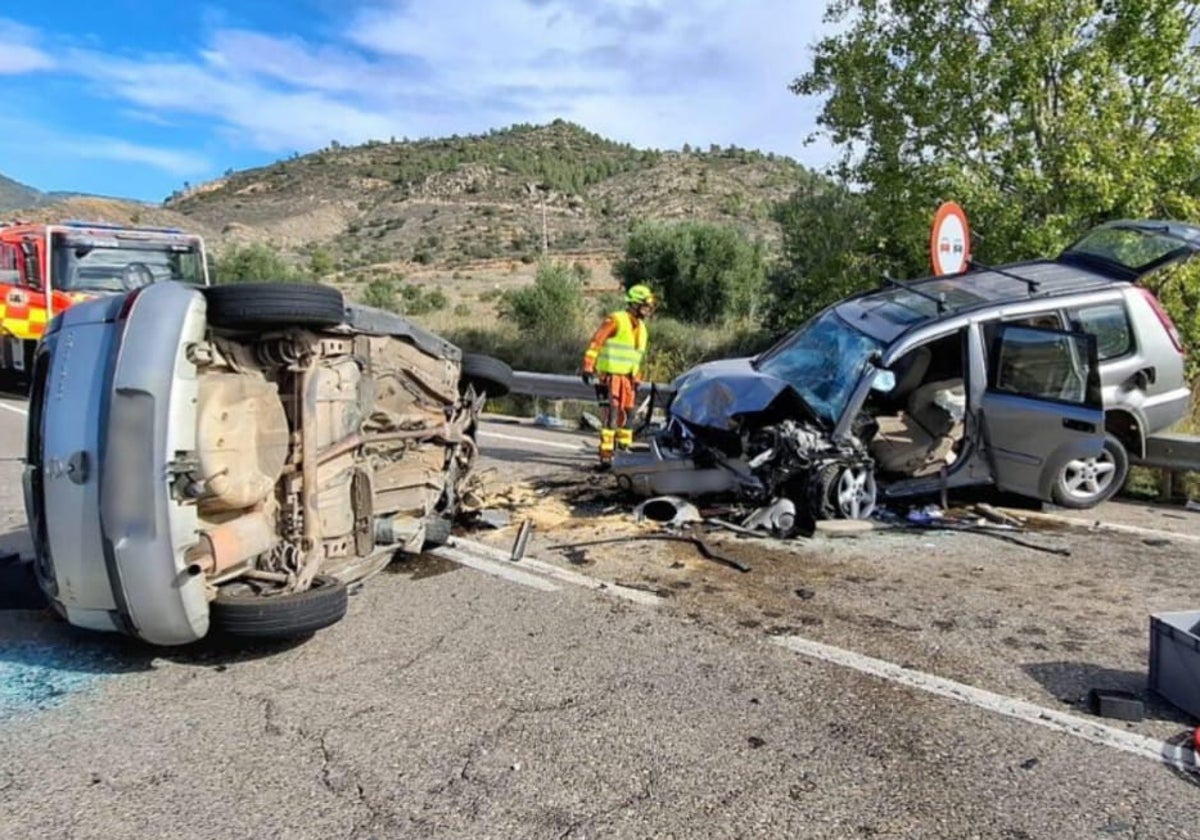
(554, 386)
(1171, 452)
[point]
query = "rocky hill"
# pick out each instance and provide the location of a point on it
(464, 201)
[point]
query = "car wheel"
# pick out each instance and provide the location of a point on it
(241, 613)
(1086, 482)
(488, 375)
(253, 305)
(844, 491)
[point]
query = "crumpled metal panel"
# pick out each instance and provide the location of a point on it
(715, 393)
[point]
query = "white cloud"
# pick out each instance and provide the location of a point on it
(172, 161)
(649, 72)
(18, 53)
(51, 143)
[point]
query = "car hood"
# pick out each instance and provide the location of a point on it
(716, 394)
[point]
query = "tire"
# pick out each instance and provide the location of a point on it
(253, 305)
(1079, 486)
(843, 491)
(248, 616)
(489, 375)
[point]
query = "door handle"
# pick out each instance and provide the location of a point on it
(1078, 425)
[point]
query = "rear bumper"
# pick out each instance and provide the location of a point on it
(122, 404)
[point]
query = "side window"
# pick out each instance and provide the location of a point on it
(1045, 364)
(1109, 322)
(10, 265)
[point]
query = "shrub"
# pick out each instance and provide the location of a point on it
(253, 263)
(551, 308)
(381, 293)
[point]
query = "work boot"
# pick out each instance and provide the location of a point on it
(607, 444)
(625, 439)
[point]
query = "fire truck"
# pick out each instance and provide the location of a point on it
(45, 268)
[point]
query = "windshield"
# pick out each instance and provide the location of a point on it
(119, 265)
(823, 361)
(1128, 250)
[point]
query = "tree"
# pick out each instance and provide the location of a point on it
(827, 254)
(704, 273)
(1042, 117)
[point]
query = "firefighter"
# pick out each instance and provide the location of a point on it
(614, 362)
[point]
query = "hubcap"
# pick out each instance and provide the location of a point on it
(856, 492)
(1088, 478)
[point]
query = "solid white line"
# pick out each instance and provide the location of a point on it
(495, 568)
(575, 447)
(15, 409)
(637, 596)
(1096, 733)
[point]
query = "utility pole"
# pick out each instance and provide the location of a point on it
(545, 230)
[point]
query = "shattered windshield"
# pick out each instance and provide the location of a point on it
(117, 265)
(823, 361)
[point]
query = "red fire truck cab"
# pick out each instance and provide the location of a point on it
(45, 268)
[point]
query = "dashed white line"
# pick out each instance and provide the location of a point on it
(637, 596)
(572, 447)
(495, 568)
(1091, 731)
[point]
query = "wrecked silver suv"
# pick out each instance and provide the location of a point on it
(1043, 378)
(230, 458)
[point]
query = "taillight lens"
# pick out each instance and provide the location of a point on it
(1164, 319)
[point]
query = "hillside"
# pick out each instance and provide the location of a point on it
(15, 195)
(491, 198)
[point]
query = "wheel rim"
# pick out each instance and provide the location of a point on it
(1089, 478)
(856, 493)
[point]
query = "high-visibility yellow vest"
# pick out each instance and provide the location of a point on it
(622, 353)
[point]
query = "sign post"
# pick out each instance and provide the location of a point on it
(950, 240)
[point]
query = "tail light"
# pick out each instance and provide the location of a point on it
(1163, 318)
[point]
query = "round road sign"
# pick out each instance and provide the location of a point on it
(950, 240)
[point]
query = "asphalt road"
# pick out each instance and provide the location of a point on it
(455, 703)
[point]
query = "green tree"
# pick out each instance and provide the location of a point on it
(827, 254)
(253, 263)
(1041, 117)
(704, 273)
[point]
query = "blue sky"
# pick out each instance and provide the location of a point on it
(135, 97)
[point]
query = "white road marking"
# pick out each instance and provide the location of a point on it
(1088, 730)
(572, 447)
(496, 568)
(637, 596)
(16, 409)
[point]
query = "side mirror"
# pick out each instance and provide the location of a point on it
(884, 381)
(33, 276)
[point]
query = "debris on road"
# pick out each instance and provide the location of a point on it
(493, 518)
(671, 511)
(1120, 705)
(521, 544)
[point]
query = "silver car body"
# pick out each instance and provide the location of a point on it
(1016, 441)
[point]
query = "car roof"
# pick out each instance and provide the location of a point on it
(897, 308)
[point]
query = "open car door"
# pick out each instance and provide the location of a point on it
(1042, 407)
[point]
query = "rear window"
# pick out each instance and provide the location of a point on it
(1109, 322)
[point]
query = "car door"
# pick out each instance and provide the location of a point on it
(1042, 407)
